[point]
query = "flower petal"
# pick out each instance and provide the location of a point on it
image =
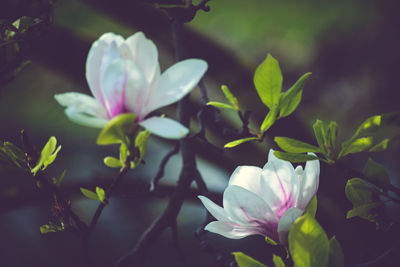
(82, 118)
(308, 184)
(280, 184)
(145, 55)
(247, 208)
(113, 85)
(228, 230)
(82, 103)
(175, 83)
(247, 177)
(165, 127)
(286, 222)
(94, 61)
(215, 210)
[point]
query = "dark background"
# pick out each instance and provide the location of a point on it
(351, 47)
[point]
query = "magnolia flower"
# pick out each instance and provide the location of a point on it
(264, 201)
(124, 77)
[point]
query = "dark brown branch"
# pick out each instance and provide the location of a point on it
(161, 169)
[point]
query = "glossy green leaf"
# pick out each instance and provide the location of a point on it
(268, 82)
(50, 228)
(369, 126)
(336, 258)
(312, 207)
(356, 146)
(295, 146)
(113, 162)
(47, 155)
(278, 262)
(100, 193)
(89, 194)
(376, 173)
(292, 97)
(320, 135)
(365, 211)
(141, 143)
(308, 243)
(358, 192)
(239, 141)
(220, 105)
(269, 120)
(270, 241)
(117, 130)
(331, 134)
(246, 261)
(231, 98)
(294, 157)
(381, 146)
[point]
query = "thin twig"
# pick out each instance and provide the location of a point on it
(161, 169)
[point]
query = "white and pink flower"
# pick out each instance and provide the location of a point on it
(264, 201)
(124, 77)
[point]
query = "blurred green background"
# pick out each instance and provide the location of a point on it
(351, 47)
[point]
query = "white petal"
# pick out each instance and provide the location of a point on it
(145, 55)
(94, 61)
(83, 119)
(227, 230)
(280, 184)
(165, 127)
(113, 85)
(175, 83)
(247, 177)
(136, 90)
(215, 210)
(309, 183)
(286, 222)
(82, 103)
(247, 208)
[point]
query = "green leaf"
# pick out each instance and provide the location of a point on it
(123, 153)
(331, 134)
(292, 97)
(277, 261)
(319, 131)
(12, 155)
(308, 243)
(231, 98)
(293, 157)
(376, 173)
(117, 130)
(356, 146)
(381, 146)
(295, 146)
(58, 183)
(220, 105)
(50, 228)
(269, 120)
(358, 192)
(312, 207)
(268, 82)
(336, 258)
(239, 141)
(365, 211)
(100, 193)
(113, 162)
(141, 143)
(90, 194)
(270, 241)
(47, 155)
(246, 261)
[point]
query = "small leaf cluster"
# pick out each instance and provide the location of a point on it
(268, 82)
(369, 194)
(12, 156)
(120, 130)
(326, 136)
(99, 195)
